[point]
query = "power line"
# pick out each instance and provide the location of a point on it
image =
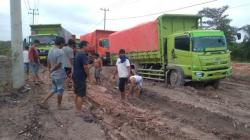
(33, 12)
(242, 5)
(125, 3)
(164, 11)
(94, 26)
(26, 5)
(38, 10)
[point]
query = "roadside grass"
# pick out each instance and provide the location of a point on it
(5, 48)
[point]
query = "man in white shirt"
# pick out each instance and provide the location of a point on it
(123, 70)
(26, 62)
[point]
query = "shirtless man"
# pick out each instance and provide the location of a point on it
(98, 68)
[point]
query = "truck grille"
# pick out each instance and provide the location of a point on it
(215, 68)
(215, 64)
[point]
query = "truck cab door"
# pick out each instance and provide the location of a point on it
(181, 53)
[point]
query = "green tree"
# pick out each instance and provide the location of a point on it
(241, 51)
(215, 18)
(246, 29)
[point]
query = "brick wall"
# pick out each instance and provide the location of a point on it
(5, 73)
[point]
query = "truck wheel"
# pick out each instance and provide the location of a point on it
(216, 84)
(176, 78)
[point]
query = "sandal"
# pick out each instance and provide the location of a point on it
(43, 106)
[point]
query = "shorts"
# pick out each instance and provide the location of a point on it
(68, 71)
(57, 86)
(122, 83)
(34, 68)
(26, 68)
(98, 73)
(139, 84)
(80, 87)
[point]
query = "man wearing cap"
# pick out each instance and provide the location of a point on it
(57, 72)
(80, 74)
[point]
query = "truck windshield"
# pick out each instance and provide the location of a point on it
(202, 43)
(43, 39)
(105, 43)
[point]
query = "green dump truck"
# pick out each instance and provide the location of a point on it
(173, 49)
(46, 34)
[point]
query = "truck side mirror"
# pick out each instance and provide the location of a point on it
(25, 42)
(238, 36)
(100, 43)
(173, 54)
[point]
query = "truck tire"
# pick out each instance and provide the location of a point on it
(216, 84)
(176, 78)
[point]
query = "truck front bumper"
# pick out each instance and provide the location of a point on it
(43, 58)
(211, 75)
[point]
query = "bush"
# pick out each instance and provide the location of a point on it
(240, 52)
(5, 48)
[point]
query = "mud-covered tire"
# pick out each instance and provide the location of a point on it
(176, 78)
(215, 84)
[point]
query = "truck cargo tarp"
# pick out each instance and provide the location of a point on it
(141, 38)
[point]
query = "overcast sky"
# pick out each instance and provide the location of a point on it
(83, 16)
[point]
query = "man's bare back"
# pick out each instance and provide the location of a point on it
(98, 68)
(97, 63)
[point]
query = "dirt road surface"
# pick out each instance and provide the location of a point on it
(160, 113)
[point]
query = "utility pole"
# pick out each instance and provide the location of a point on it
(105, 10)
(16, 44)
(33, 13)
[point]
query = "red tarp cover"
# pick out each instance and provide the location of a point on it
(141, 38)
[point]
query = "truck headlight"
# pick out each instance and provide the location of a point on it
(199, 74)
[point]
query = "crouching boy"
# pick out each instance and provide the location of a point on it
(135, 84)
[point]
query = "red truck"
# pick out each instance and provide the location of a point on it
(96, 40)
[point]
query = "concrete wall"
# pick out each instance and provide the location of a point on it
(5, 73)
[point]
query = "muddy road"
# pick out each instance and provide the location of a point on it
(189, 112)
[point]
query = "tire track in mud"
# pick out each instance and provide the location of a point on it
(119, 119)
(209, 121)
(198, 118)
(192, 113)
(124, 121)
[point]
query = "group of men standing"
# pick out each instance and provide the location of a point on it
(65, 64)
